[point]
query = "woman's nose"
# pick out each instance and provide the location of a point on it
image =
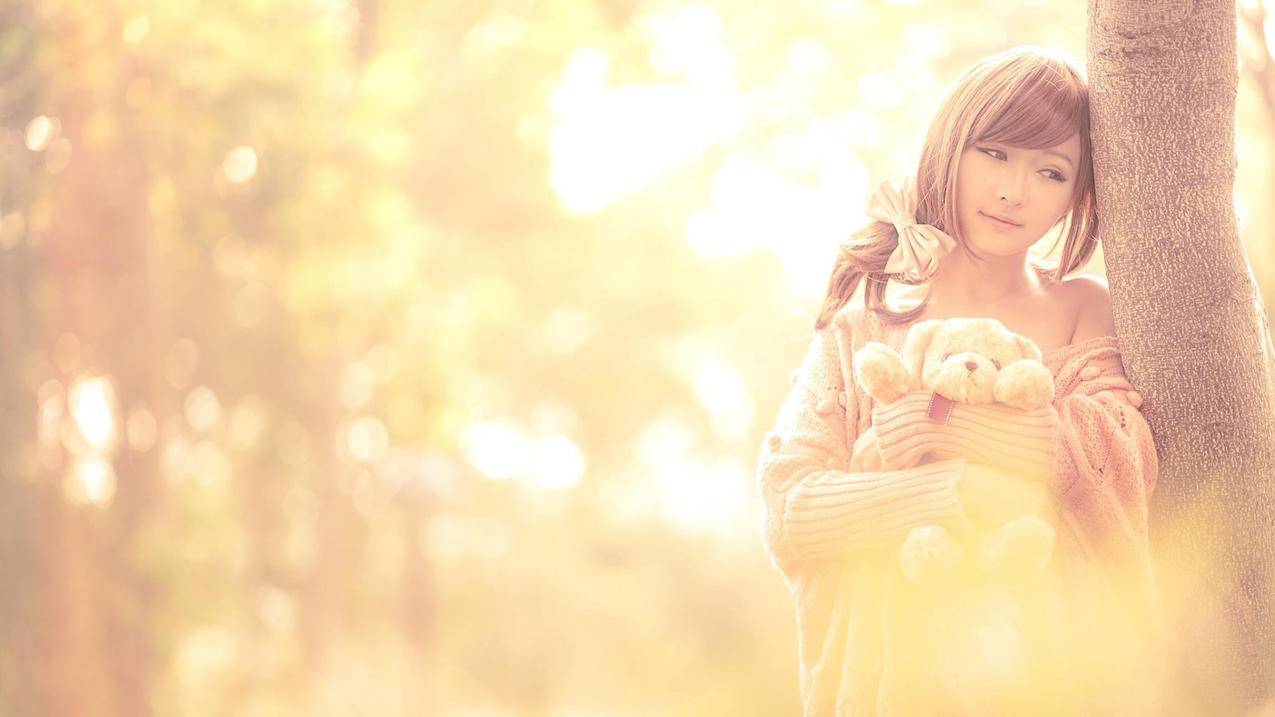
(971, 365)
(1013, 188)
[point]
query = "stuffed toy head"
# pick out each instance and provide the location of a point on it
(970, 360)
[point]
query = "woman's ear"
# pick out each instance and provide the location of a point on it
(1028, 348)
(917, 343)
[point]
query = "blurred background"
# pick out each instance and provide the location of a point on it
(413, 357)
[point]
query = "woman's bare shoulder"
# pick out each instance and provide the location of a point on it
(1090, 297)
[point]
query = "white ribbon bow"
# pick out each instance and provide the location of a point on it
(921, 246)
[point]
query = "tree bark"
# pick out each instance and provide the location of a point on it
(1194, 333)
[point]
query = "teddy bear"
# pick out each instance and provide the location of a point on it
(974, 361)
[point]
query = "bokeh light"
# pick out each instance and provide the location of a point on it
(240, 164)
(92, 402)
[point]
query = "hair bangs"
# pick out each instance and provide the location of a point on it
(1043, 110)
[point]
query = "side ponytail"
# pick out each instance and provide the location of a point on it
(863, 257)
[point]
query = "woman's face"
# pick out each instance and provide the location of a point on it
(1031, 188)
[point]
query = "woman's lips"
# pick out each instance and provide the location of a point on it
(998, 222)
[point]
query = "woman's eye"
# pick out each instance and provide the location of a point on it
(945, 356)
(997, 364)
(996, 154)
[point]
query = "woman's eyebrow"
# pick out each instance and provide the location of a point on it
(1056, 153)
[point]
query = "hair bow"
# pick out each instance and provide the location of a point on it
(921, 246)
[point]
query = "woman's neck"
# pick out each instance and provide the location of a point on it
(963, 282)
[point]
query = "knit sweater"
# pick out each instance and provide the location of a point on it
(842, 485)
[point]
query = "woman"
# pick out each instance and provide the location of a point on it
(1006, 160)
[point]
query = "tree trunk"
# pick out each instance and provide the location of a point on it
(1194, 334)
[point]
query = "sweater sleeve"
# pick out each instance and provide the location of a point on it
(814, 509)
(1106, 465)
(994, 434)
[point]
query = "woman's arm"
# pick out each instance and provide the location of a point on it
(814, 509)
(1107, 464)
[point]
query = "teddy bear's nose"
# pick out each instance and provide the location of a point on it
(971, 365)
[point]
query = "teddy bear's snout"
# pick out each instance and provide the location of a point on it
(972, 366)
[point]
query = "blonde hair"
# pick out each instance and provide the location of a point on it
(1025, 96)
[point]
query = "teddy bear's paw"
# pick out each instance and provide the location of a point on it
(880, 372)
(1025, 384)
(1018, 549)
(930, 554)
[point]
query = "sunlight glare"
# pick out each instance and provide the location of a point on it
(556, 463)
(202, 409)
(755, 207)
(914, 73)
(367, 439)
(501, 30)
(41, 132)
(689, 42)
(93, 406)
(702, 496)
(692, 491)
(609, 143)
(497, 450)
(984, 650)
(721, 391)
(836, 8)
(878, 91)
(808, 57)
(925, 41)
(1268, 27)
(665, 439)
(92, 481)
(240, 164)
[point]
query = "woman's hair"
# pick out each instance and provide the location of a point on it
(1026, 96)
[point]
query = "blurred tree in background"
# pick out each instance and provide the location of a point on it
(411, 358)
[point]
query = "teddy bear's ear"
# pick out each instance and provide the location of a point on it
(915, 346)
(1029, 348)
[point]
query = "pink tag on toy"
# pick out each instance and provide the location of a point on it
(940, 408)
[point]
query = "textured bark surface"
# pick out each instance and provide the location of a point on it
(1196, 339)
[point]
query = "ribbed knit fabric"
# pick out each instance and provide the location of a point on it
(830, 512)
(841, 487)
(1017, 440)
